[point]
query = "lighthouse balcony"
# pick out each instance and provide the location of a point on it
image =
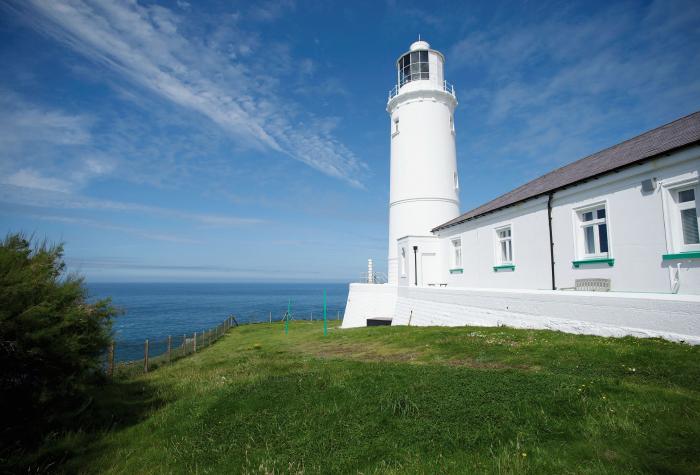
(444, 86)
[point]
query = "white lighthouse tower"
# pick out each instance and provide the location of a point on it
(424, 187)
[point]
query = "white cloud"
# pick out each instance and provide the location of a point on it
(154, 236)
(22, 122)
(52, 198)
(27, 178)
(151, 47)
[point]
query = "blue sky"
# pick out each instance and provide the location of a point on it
(225, 141)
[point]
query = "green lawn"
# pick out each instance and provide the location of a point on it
(400, 400)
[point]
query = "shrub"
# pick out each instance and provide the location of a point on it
(51, 340)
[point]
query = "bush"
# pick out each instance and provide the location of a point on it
(52, 341)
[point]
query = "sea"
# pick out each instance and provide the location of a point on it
(155, 311)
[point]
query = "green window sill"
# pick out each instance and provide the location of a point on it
(504, 267)
(681, 255)
(456, 271)
(578, 264)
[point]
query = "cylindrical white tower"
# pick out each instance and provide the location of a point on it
(424, 188)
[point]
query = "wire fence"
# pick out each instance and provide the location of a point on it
(158, 352)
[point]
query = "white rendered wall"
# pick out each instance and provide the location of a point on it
(674, 317)
(369, 301)
(423, 166)
(637, 235)
(428, 248)
(636, 228)
(530, 240)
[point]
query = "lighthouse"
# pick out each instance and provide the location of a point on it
(424, 185)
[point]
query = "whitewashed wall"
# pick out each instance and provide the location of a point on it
(636, 228)
(369, 301)
(674, 317)
(637, 233)
(428, 252)
(530, 238)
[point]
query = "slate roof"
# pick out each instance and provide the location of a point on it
(679, 133)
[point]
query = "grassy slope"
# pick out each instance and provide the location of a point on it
(406, 400)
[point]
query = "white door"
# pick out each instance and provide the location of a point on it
(428, 269)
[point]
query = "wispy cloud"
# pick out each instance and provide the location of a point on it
(21, 122)
(555, 86)
(56, 199)
(152, 47)
(92, 223)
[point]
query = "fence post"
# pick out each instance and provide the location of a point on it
(312, 316)
(194, 340)
(169, 345)
(110, 368)
(270, 317)
(338, 317)
(145, 357)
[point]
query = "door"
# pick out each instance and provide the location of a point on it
(428, 271)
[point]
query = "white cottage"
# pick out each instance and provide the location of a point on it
(606, 245)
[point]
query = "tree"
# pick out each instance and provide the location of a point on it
(52, 340)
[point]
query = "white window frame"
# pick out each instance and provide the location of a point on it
(456, 180)
(579, 230)
(456, 253)
(672, 213)
(395, 126)
(498, 248)
(403, 261)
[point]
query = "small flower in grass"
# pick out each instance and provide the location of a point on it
(524, 454)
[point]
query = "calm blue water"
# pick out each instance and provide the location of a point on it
(155, 311)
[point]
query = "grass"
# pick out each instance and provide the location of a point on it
(398, 400)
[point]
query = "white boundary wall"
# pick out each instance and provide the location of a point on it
(369, 301)
(673, 317)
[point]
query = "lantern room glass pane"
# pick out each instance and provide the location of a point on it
(413, 66)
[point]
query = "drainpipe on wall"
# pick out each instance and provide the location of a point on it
(551, 239)
(415, 264)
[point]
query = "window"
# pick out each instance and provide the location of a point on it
(504, 246)
(403, 261)
(457, 253)
(413, 66)
(593, 234)
(456, 179)
(688, 219)
(396, 126)
(452, 124)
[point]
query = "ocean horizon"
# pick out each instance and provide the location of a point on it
(155, 311)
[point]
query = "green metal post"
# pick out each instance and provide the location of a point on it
(286, 317)
(325, 320)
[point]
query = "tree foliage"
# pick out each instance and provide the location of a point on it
(52, 340)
